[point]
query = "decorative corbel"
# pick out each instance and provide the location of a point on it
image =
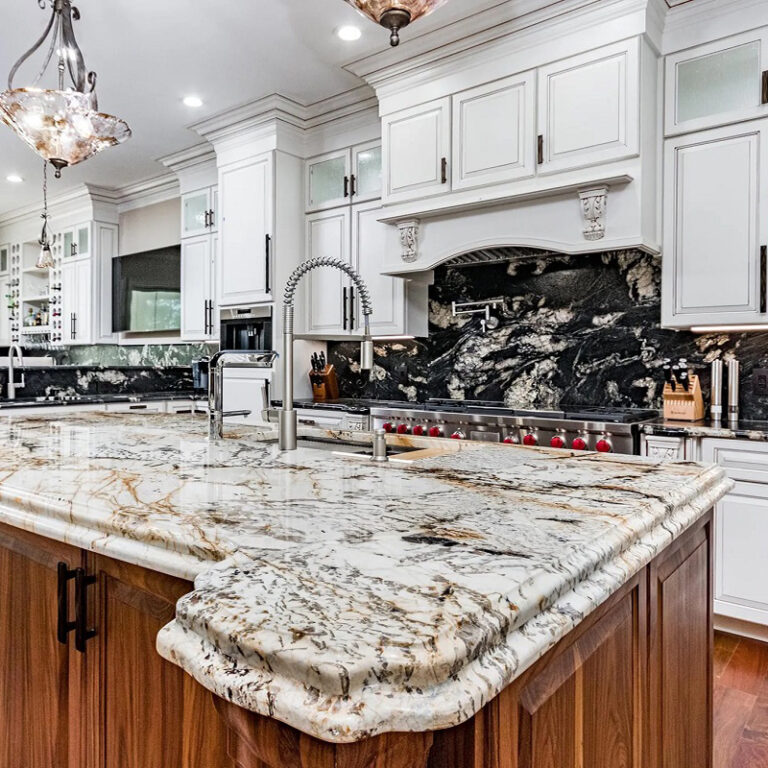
(409, 239)
(593, 205)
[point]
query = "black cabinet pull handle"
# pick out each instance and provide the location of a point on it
(267, 275)
(764, 279)
(346, 308)
(541, 150)
(765, 88)
(354, 185)
(64, 626)
(82, 632)
(351, 309)
(346, 186)
(212, 218)
(207, 220)
(444, 171)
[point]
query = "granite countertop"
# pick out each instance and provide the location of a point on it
(343, 597)
(744, 430)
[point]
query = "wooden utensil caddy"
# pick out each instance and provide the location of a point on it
(325, 384)
(684, 405)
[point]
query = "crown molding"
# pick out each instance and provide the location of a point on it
(184, 159)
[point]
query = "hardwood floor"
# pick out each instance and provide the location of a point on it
(741, 702)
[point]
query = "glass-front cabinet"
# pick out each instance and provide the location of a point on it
(5, 258)
(347, 176)
(366, 164)
(717, 83)
(77, 242)
(199, 212)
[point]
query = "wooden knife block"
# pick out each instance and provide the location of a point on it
(325, 384)
(680, 405)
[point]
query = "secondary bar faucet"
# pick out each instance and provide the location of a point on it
(14, 349)
(216, 365)
(288, 422)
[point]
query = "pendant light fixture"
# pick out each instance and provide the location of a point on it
(395, 14)
(64, 126)
(45, 259)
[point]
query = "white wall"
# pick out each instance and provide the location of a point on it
(151, 227)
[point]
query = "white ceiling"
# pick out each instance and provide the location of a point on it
(149, 54)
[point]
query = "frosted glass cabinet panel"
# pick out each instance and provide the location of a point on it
(328, 181)
(5, 262)
(717, 83)
(367, 172)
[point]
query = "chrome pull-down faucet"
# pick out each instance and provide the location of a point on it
(14, 349)
(288, 421)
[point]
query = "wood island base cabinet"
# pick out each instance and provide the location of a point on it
(630, 687)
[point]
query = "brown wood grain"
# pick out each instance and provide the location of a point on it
(747, 668)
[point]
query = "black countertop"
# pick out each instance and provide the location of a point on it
(31, 402)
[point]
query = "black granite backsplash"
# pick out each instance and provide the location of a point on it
(83, 380)
(575, 330)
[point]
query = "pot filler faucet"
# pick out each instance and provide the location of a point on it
(288, 420)
(14, 350)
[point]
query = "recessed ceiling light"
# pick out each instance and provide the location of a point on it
(14, 178)
(349, 33)
(193, 101)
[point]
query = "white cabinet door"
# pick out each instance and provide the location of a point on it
(741, 573)
(329, 180)
(494, 132)
(366, 172)
(328, 289)
(369, 253)
(5, 315)
(589, 108)
(715, 193)
(76, 298)
(196, 210)
(245, 191)
(196, 288)
(717, 83)
(416, 150)
(68, 300)
(156, 406)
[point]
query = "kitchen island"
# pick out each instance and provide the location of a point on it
(478, 606)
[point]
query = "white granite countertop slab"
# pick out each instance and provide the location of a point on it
(339, 596)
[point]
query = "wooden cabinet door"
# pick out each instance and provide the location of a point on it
(328, 289)
(246, 191)
(150, 714)
(589, 108)
(196, 288)
(681, 642)
(35, 705)
(369, 253)
(716, 185)
(416, 150)
(494, 132)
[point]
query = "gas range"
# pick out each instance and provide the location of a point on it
(582, 428)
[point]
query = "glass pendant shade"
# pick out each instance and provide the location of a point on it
(395, 14)
(45, 258)
(61, 126)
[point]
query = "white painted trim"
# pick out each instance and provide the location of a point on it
(741, 628)
(148, 192)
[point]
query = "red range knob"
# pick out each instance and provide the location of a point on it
(458, 435)
(530, 440)
(509, 440)
(604, 446)
(388, 426)
(557, 442)
(403, 429)
(579, 444)
(435, 432)
(419, 431)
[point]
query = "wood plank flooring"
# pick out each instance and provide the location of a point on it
(741, 702)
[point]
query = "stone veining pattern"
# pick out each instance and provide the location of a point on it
(341, 597)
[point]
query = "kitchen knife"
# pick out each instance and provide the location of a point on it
(683, 376)
(668, 377)
(322, 361)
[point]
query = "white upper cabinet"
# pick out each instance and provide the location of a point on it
(77, 242)
(198, 317)
(5, 259)
(715, 198)
(416, 151)
(328, 289)
(77, 301)
(344, 177)
(246, 190)
(366, 172)
(369, 248)
(328, 180)
(199, 214)
(717, 83)
(494, 128)
(589, 108)
(5, 315)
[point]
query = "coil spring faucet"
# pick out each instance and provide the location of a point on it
(288, 421)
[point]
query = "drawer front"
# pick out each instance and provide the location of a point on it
(744, 461)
